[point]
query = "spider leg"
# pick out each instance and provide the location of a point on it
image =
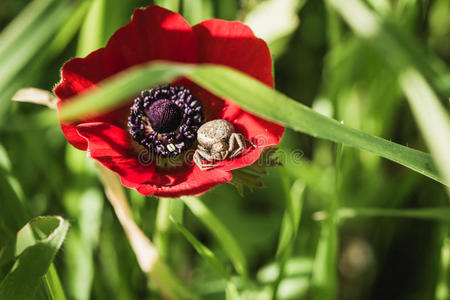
(239, 139)
(224, 154)
(198, 160)
(201, 155)
(231, 143)
(251, 143)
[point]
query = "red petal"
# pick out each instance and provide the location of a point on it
(194, 182)
(233, 44)
(78, 75)
(213, 106)
(154, 33)
(112, 147)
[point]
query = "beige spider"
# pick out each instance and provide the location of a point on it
(217, 141)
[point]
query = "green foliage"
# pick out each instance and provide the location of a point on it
(206, 253)
(225, 238)
(36, 245)
(22, 40)
(347, 224)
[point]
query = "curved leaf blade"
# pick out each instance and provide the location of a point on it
(37, 244)
(225, 238)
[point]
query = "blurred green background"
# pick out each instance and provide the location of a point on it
(389, 237)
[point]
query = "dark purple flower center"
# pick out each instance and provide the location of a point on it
(165, 119)
(164, 116)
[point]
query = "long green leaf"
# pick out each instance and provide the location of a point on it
(291, 218)
(201, 249)
(13, 213)
(21, 47)
(196, 11)
(441, 214)
(279, 30)
(86, 207)
(410, 65)
(92, 31)
(25, 21)
(225, 238)
(69, 28)
(54, 286)
(28, 45)
(324, 276)
(289, 226)
(325, 263)
(252, 96)
(173, 5)
(431, 117)
(37, 244)
(162, 225)
(392, 42)
(13, 216)
(442, 288)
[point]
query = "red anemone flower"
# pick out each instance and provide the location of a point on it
(118, 138)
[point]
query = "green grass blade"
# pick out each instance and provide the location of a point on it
(227, 10)
(325, 263)
(225, 238)
(25, 21)
(431, 117)
(278, 31)
(289, 227)
(161, 236)
(13, 212)
(231, 292)
(54, 284)
(441, 214)
(92, 31)
(291, 218)
(295, 266)
(5, 163)
(85, 206)
(13, 216)
(442, 287)
(37, 244)
(196, 11)
(410, 64)
(252, 96)
(392, 42)
(324, 270)
(70, 28)
(173, 5)
(30, 43)
(201, 249)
